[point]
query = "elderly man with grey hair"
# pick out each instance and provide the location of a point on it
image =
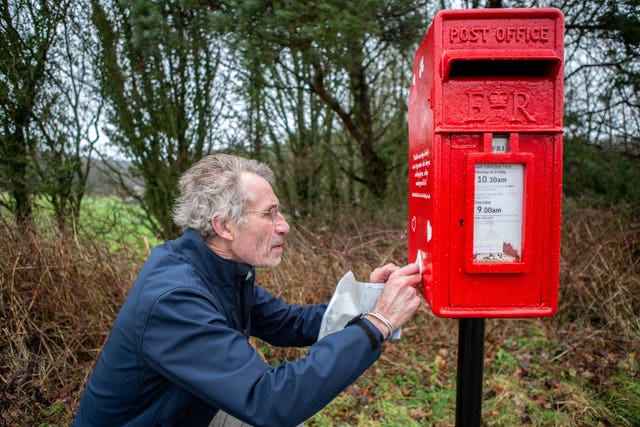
(179, 351)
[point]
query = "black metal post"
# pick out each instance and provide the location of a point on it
(470, 370)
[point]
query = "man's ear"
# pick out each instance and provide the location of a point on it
(221, 227)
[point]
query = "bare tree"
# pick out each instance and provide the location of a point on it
(603, 71)
(46, 110)
(346, 48)
(66, 144)
(158, 65)
(29, 30)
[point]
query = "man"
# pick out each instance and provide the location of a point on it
(178, 352)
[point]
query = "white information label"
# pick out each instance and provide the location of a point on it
(498, 211)
(500, 144)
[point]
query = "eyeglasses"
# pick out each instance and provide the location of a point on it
(273, 213)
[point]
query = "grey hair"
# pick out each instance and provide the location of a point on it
(213, 185)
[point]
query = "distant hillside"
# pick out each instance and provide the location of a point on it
(105, 177)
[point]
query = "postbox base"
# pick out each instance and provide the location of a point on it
(493, 312)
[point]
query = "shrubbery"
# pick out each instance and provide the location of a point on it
(59, 296)
(60, 293)
(602, 176)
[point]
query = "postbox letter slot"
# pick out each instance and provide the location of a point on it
(500, 68)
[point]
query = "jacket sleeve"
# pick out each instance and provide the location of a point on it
(188, 341)
(282, 324)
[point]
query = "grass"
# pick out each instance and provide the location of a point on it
(397, 392)
(119, 224)
(59, 295)
(527, 386)
(622, 391)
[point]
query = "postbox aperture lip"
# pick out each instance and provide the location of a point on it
(482, 64)
(501, 68)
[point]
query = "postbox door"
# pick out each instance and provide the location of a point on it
(514, 276)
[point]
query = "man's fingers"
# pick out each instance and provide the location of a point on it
(382, 274)
(407, 276)
(407, 270)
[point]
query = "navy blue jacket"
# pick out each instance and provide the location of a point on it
(179, 351)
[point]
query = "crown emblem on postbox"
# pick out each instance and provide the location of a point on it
(498, 99)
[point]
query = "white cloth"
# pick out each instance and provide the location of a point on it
(349, 299)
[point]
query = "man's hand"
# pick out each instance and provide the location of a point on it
(381, 274)
(399, 299)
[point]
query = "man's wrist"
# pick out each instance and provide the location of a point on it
(377, 323)
(381, 323)
(373, 333)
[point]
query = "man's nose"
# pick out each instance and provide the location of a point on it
(282, 226)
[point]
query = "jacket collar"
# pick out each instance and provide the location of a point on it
(214, 268)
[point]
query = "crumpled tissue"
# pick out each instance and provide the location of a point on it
(349, 299)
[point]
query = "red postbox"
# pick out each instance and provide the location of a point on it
(485, 162)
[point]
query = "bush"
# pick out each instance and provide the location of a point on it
(602, 176)
(600, 284)
(59, 295)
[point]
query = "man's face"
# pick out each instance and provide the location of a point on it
(259, 241)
